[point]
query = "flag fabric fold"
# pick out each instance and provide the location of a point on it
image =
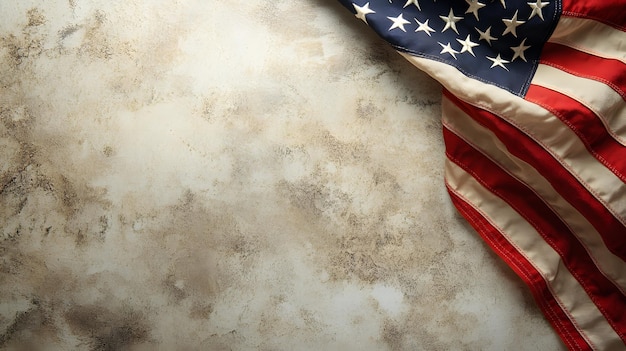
(534, 123)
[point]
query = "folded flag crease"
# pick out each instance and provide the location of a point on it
(534, 123)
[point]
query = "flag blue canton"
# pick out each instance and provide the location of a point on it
(496, 42)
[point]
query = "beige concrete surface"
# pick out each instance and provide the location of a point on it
(232, 175)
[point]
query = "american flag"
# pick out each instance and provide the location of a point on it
(534, 120)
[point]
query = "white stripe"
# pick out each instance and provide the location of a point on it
(540, 125)
(564, 287)
(605, 102)
(485, 141)
(591, 37)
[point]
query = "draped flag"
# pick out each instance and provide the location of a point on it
(534, 119)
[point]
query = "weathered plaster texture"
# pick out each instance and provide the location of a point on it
(233, 175)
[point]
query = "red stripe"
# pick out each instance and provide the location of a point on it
(585, 124)
(559, 320)
(608, 71)
(522, 199)
(568, 187)
(605, 11)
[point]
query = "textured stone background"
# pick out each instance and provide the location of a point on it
(233, 175)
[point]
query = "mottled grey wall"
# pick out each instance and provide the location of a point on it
(197, 175)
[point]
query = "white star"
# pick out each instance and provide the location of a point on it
(423, 27)
(518, 51)
(511, 25)
(498, 61)
(409, 2)
(363, 11)
(486, 35)
(503, 4)
(451, 21)
(537, 6)
(474, 6)
(398, 22)
(448, 49)
(468, 45)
